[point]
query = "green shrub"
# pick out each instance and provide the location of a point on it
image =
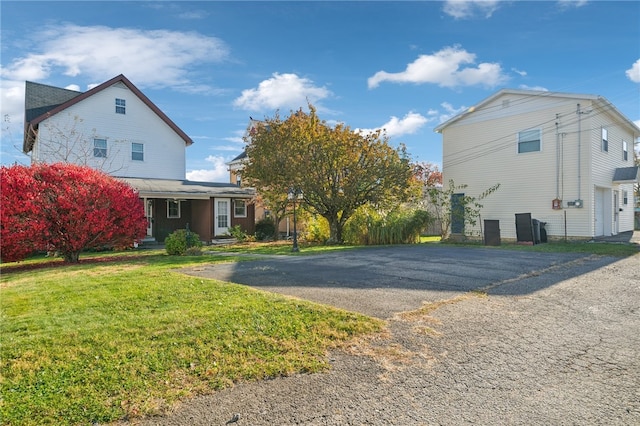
(265, 229)
(237, 233)
(316, 229)
(370, 227)
(179, 241)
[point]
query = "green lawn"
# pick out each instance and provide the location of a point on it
(124, 335)
(127, 336)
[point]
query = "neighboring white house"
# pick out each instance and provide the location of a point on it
(568, 159)
(114, 127)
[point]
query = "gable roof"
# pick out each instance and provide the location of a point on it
(42, 102)
(607, 106)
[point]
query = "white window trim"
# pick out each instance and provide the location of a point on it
(625, 150)
(604, 136)
(518, 141)
(235, 214)
(123, 107)
(106, 147)
(179, 209)
(137, 152)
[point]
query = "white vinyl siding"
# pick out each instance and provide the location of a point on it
(478, 151)
(164, 150)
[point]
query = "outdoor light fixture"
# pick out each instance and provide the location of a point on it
(293, 195)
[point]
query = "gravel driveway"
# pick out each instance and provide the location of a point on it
(512, 338)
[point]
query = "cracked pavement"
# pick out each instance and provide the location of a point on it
(475, 335)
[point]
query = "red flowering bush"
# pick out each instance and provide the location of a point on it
(66, 208)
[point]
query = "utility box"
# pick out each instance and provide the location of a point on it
(524, 228)
(491, 232)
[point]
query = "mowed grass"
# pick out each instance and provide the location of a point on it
(128, 336)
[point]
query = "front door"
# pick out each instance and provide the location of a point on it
(222, 216)
(149, 213)
(457, 213)
(616, 212)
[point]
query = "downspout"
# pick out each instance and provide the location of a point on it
(557, 158)
(579, 146)
(579, 112)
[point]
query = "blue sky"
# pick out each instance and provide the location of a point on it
(402, 66)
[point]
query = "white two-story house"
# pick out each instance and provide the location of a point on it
(114, 127)
(567, 159)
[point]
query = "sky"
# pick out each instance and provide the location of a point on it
(404, 67)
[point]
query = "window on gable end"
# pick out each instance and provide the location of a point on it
(625, 151)
(605, 140)
(529, 141)
(100, 148)
(121, 106)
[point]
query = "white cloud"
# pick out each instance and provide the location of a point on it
(154, 58)
(444, 69)
(219, 171)
(567, 4)
(633, 73)
(467, 9)
(538, 88)
(409, 124)
(12, 112)
(520, 72)
(281, 91)
(449, 112)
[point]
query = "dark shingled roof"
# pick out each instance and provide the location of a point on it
(626, 174)
(41, 98)
(240, 157)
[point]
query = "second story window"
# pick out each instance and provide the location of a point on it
(625, 151)
(121, 106)
(605, 140)
(529, 141)
(100, 148)
(137, 151)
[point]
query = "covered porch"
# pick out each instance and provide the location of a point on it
(207, 208)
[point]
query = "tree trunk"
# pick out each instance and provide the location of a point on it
(72, 257)
(335, 230)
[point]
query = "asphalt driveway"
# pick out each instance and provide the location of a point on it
(554, 342)
(381, 281)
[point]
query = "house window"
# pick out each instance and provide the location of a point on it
(137, 151)
(120, 106)
(625, 197)
(625, 151)
(173, 209)
(100, 148)
(605, 140)
(240, 208)
(529, 141)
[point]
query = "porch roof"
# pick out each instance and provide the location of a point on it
(626, 175)
(186, 189)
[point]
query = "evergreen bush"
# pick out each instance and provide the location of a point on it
(177, 243)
